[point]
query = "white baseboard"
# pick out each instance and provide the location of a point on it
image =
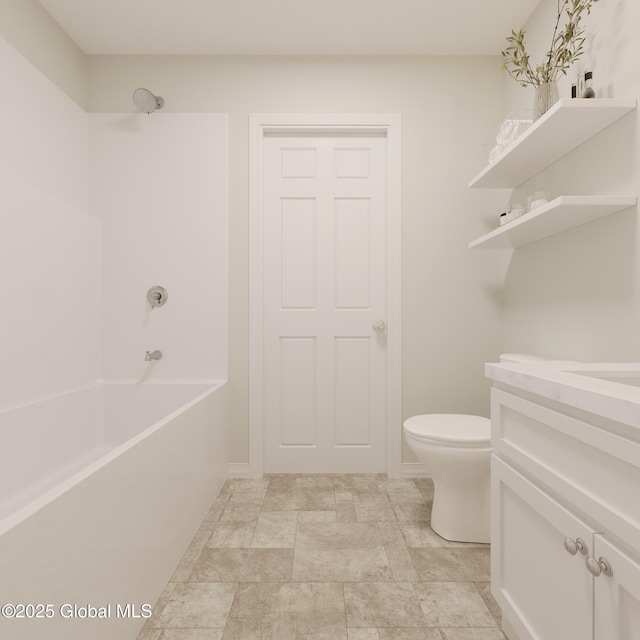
(413, 470)
(239, 470)
(242, 470)
(508, 629)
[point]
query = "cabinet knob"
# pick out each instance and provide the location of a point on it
(599, 566)
(573, 546)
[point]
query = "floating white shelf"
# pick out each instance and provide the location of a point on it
(568, 124)
(565, 212)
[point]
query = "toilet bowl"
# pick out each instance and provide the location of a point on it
(455, 449)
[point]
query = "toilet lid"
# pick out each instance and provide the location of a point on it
(453, 428)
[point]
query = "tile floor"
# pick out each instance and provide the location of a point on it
(344, 557)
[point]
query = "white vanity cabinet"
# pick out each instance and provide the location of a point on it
(565, 506)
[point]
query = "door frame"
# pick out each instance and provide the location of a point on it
(310, 124)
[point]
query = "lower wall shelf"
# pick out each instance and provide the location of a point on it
(561, 214)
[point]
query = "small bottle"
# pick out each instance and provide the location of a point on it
(574, 90)
(580, 87)
(588, 85)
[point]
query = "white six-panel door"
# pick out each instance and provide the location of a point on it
(325, 303)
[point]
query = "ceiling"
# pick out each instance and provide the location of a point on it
(290, 27)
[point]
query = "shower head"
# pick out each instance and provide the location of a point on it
(146, 101)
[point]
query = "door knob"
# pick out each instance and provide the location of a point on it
(379, 326)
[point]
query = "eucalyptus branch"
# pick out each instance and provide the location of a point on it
(567, 46)
(561, 10)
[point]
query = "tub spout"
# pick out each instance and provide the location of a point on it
(153, 355)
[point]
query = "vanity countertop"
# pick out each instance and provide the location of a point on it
(610, 390)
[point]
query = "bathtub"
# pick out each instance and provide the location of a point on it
(101, 491)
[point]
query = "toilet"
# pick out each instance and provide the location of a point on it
(455, 449)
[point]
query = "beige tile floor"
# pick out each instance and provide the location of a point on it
(344, 557)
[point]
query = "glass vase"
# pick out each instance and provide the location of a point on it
(546, 96)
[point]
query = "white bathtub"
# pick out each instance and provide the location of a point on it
(101, 491)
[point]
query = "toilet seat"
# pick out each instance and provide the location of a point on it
(450, 430)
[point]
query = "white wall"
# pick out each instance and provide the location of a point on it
(30, 30)
(49, 246)
(577, 294)
(451, 296)
(159, 184)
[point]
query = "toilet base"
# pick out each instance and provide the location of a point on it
(461, 516)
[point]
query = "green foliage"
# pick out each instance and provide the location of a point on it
(566, 47)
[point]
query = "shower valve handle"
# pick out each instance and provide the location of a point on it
(157, 296)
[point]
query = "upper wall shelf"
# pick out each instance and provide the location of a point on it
(568, 124)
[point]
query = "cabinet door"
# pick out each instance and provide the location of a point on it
(545, 592)
(617, 597)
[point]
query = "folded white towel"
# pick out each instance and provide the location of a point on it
(506, 132)
(510, 130)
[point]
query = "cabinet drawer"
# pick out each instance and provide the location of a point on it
(596, 471)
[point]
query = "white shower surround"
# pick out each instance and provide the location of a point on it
(158, 184)
(100, 207)
(113, 481)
